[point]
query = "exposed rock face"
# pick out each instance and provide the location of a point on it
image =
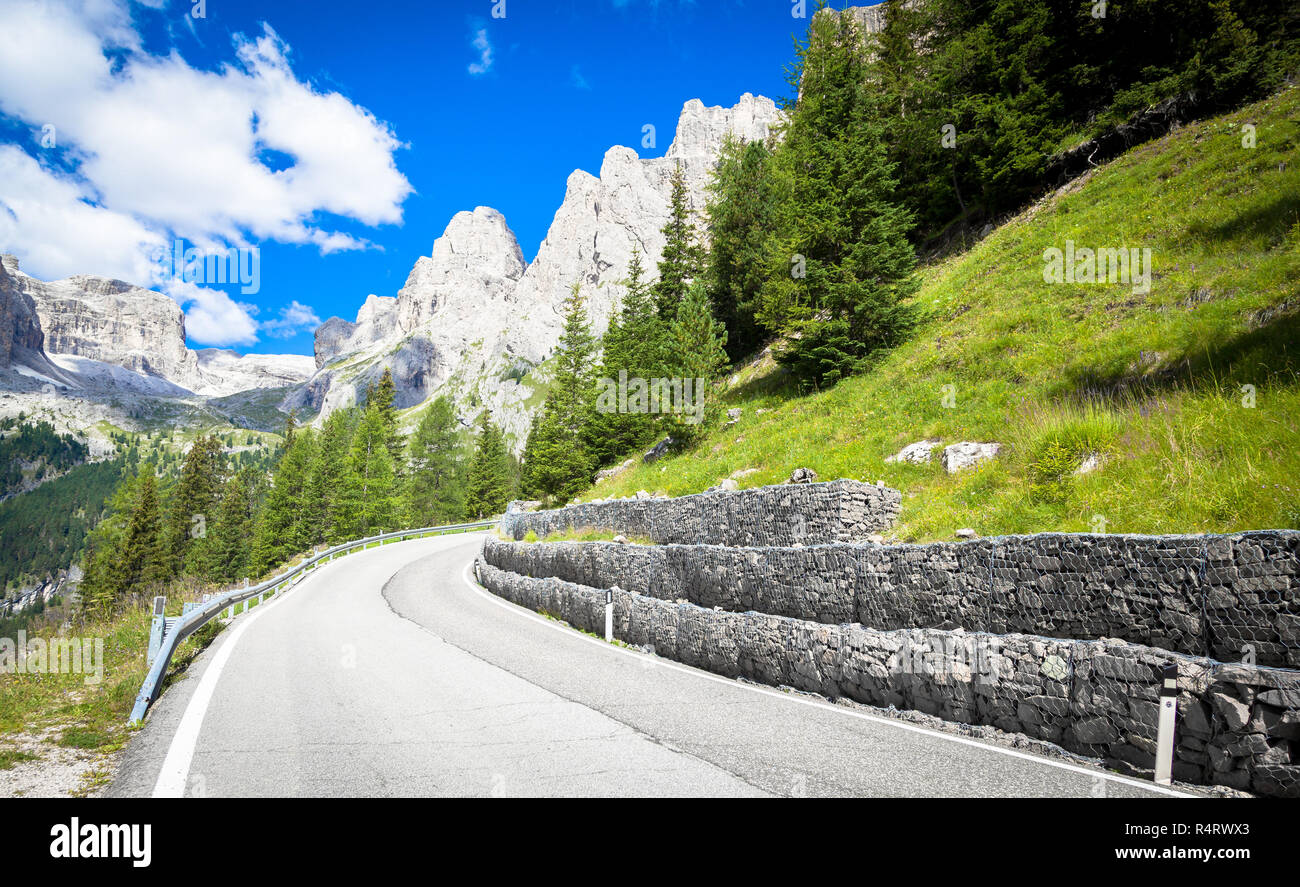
(602, 219)
(117, 323)
(223, 372)
(93, 325)
(20, 328)
(331, 339)
(478, 252)
(479, 317)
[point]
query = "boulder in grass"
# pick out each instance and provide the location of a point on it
(960, 456)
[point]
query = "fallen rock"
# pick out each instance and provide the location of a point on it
(960, 456)
(802, 476)
(743, 472)
(658, 450)
(966, 533)
(1090, 463)
(916, 453)
(733, 415)
(876, 539)
(642, 494)
(621, 540)
(617, 469)
(729, 484)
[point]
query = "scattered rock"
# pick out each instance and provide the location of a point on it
(658, 450)
(960, 456)
(729, 484)
(642, 494)
(743, 472)
(1090, 463)
(621, 540)
(617, 469)
(876, 539)
(916, 453)
(802, 476)
(966, 533)
(733, 415)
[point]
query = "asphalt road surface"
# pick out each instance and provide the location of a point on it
(391, 673)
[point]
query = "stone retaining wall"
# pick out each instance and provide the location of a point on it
(1238, 725)
(1230, 597)
(838, 511)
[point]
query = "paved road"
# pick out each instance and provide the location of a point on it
(390, 672)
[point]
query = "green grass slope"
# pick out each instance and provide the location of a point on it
(1152, 383)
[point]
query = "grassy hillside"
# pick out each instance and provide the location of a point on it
(1151, 382)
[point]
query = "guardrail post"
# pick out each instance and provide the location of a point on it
(1165, 730)
(157, 626)
(609, 614)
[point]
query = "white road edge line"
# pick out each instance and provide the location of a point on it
(175, 770)
(912, 728)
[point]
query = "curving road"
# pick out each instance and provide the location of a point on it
(390, 672)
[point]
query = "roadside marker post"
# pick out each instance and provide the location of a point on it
(1165, 730)
(157, 626)
(609, 615)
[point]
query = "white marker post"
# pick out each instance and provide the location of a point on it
(609, 615)
(1165, 732)
(157, 627)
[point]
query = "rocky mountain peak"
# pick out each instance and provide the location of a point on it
(20, 327)
(476, 257)
(473, 316)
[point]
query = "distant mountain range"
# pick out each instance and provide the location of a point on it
(474, 320)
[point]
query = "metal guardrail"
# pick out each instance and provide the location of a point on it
(187, 624)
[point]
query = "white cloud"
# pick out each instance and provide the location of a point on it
(58, 232)
(484, 47)
(294, 318)
(160, 149)
(212, 317)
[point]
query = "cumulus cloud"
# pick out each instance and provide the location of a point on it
(154, 149)
(484, 48)
(211, 316)
(294, 318)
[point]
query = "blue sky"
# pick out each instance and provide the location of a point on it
(372, 124)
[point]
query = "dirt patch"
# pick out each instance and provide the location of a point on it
(40, 767)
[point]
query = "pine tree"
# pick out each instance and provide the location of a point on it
(383, 396)
(635, 347)
(699, 356)
(369, 496)
(327, 474)
(561, 462)
(435, 486)
(282, 528)
(223, 555)
(143, 554)
(290, 429)
(839, 265)
(194, 498)
(489, 475)
(741, 212)
(683, 258)
(101, 586)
